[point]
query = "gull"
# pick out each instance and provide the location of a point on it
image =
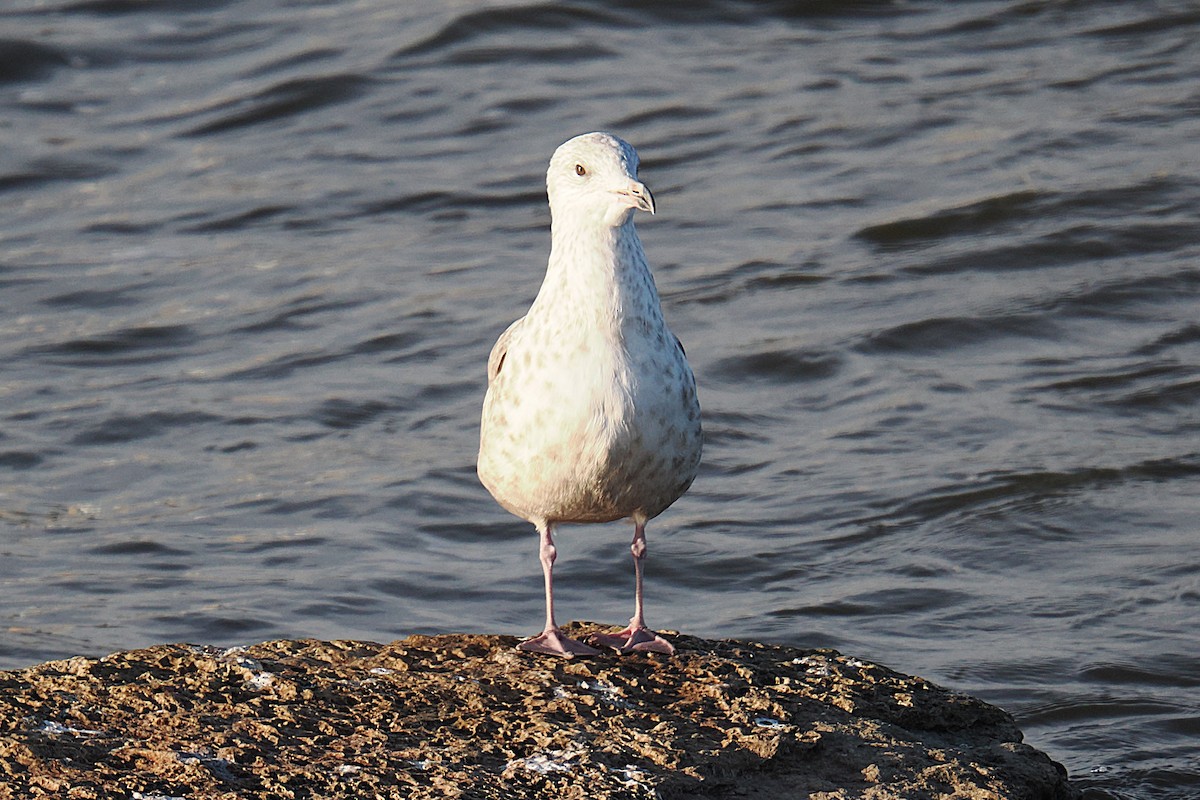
(591, 412)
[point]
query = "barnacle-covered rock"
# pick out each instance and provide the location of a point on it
(467, 716)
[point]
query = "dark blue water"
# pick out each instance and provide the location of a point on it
(937, 269)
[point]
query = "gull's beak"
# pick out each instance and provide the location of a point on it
(638, 195)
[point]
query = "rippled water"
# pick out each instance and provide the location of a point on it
(936, 266)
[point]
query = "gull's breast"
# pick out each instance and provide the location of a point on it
(591, 429)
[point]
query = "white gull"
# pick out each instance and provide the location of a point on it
(591, 412)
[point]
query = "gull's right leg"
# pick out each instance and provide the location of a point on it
(551, 640)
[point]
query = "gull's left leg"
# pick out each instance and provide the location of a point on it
(636, 637)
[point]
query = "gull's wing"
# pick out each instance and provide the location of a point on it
(500, 350)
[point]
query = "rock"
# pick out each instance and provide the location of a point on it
(467, 716)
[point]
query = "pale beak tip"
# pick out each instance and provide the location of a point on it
(647, 200)
(638, 196)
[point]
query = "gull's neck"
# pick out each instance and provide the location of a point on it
(599, 269)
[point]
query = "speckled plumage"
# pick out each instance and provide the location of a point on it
(591, 412)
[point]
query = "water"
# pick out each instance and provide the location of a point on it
(936, 267)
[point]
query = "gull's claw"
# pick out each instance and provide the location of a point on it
(630, 640)
(552, 642)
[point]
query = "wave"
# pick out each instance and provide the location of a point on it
(1008, 489)
(22, 60)
(948, 333)
(295, 96)
(141, 344)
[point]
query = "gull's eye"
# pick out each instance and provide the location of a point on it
(580, 170)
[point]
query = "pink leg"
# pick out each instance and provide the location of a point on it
(637, 636)
(551, 640)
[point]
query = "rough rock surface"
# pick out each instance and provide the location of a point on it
(467, 716)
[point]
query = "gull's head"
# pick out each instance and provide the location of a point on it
(593, 178)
